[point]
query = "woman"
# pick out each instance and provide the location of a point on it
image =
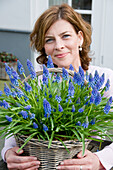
(63, 34)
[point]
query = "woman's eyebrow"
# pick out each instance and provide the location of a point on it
(50, 36)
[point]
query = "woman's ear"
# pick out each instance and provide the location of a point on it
(81, 39)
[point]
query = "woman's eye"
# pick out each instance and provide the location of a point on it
(66, 36)
(48, 40)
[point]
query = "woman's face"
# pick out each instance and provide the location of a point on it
(62, 43)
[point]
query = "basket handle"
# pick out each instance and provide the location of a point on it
(51, 70)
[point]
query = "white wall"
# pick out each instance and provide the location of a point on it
(15, 14)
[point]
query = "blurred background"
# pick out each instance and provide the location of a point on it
(17, 19)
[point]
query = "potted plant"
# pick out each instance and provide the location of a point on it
(8, 58)
(55, 111)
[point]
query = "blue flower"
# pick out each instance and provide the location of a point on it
(81, 72)
(71, 67)
(50, 96)
(60, 109)
(47, 108)
(50, 62)
(45, 128)
(94, 91)
(7, 90)
(107, 108)
(102, 78)
(65, 74)
(27, 87)
(73, 108)
(92, 121)
(85, 124)
(29, 65)
(96, 76)
(58, 98)
(20, 67)
(14, 74)
(9, 119)
(5, 104)
(110, 100)
(77, 78)
(32, 116)
(1, 93)
(28, 107)
(98, 99)
(57, 78)
(45, 80)
(92, 99)
(78, 123)
(14, 81)
(7, 69)
(46, 71)
(35, 126)
(24, 114)
(14, 94)
(91, 80)
(80, 110)
(31, 69)
(71, 89)
(19, 93)
(107, 85)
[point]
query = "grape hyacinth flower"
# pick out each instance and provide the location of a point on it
(7, 90)
(96, 76)
(71, 89)
(73, 108)
(45, 128)
(58, 98)
(5, 104)
(7, 69)
(32, 116)
(78, 123)
(46, 71)
(14, 81)
(60, 108)
(107, 85)
(81, 72)
(9, 119)
(31, 69)
(28, 88)
(20, 67)
(24, 114)
(65, 74)
(50, 62)
(92, 121)
(98, 99)
(47, 108)
(35, 126)
(45, 80)
(107, 108)
(57, 78)
(28, 107)
(77, 79)
(80, 110)
(71, 67)
(14, 74)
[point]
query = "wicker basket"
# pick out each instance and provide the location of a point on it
(49, 158)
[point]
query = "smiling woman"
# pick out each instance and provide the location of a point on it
(62, 33)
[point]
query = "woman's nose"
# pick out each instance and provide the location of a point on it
(59, 44)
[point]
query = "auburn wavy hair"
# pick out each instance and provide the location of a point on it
(49, 17)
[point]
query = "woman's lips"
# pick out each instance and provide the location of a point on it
(61, 55)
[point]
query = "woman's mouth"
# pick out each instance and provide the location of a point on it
(61, 55)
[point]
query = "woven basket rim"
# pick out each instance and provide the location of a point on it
(54, 144)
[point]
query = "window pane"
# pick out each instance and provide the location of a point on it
(57, 2)
(87, 17)
(82, 4)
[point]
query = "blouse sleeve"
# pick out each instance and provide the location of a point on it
(9, 143)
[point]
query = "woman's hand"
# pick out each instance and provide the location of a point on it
(89, 161)
(16, 162)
